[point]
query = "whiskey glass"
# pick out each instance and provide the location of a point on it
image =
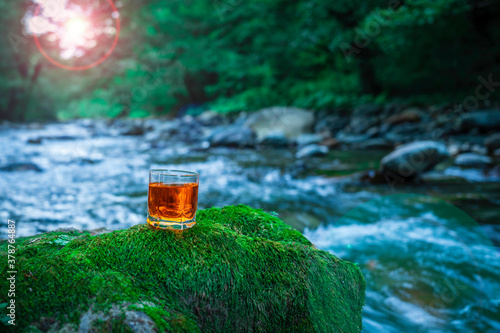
(172, 199)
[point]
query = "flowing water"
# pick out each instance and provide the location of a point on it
(430, 266)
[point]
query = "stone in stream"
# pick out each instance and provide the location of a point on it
(360, 124)
(133, 130)
(330, 124)
(483, 120)
(349, 139)
(289, 121)
(237, 269)
(374, 144)
(210, 118)
(13, 167)
(362, 118)
(232, 136)
(275, 140)
(35, 141)
(411, 115)
(472, 160)
(307, 139)
(492, 142)
(40, 139)
(367, 110)
(312, 151)
(410, 160)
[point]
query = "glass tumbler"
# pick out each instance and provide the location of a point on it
(172, 198)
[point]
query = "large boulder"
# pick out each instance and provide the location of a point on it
(484, 120)
(411, 160)
(289, 121)
(237, 270)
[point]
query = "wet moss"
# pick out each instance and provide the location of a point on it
(239, 269)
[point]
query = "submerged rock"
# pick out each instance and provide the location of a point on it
(239, 268)
(12, 167)
(35, 141)
(411, 160)
(40, 139)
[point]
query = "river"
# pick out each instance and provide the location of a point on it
(430, 266)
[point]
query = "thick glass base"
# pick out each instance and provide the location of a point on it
(172, 225)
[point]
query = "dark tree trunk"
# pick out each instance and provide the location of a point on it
(367, 77)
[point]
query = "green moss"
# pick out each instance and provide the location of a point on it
(239, 269)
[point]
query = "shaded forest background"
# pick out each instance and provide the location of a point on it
(186, 56)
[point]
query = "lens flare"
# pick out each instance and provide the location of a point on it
(76, 28)
(75, 35)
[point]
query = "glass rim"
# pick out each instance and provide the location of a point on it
(173, 173)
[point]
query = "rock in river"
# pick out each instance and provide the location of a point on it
(472, 160)
(275, 140)
(410, 160)
(312, 150)
(237, 270)
(291, 122)
(307, 139)
(411, 115)
(38, 140)
(374, 144)
(483, 120)
(492, 142)
(21, 167)
(233, 136)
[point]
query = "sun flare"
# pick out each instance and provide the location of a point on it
(76, 28)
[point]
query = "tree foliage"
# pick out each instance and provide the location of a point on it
(233, 55)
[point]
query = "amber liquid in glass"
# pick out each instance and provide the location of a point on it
(173, 202)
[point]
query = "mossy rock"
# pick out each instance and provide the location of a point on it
(238, 270)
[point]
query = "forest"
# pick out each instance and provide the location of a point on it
(184, 56)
